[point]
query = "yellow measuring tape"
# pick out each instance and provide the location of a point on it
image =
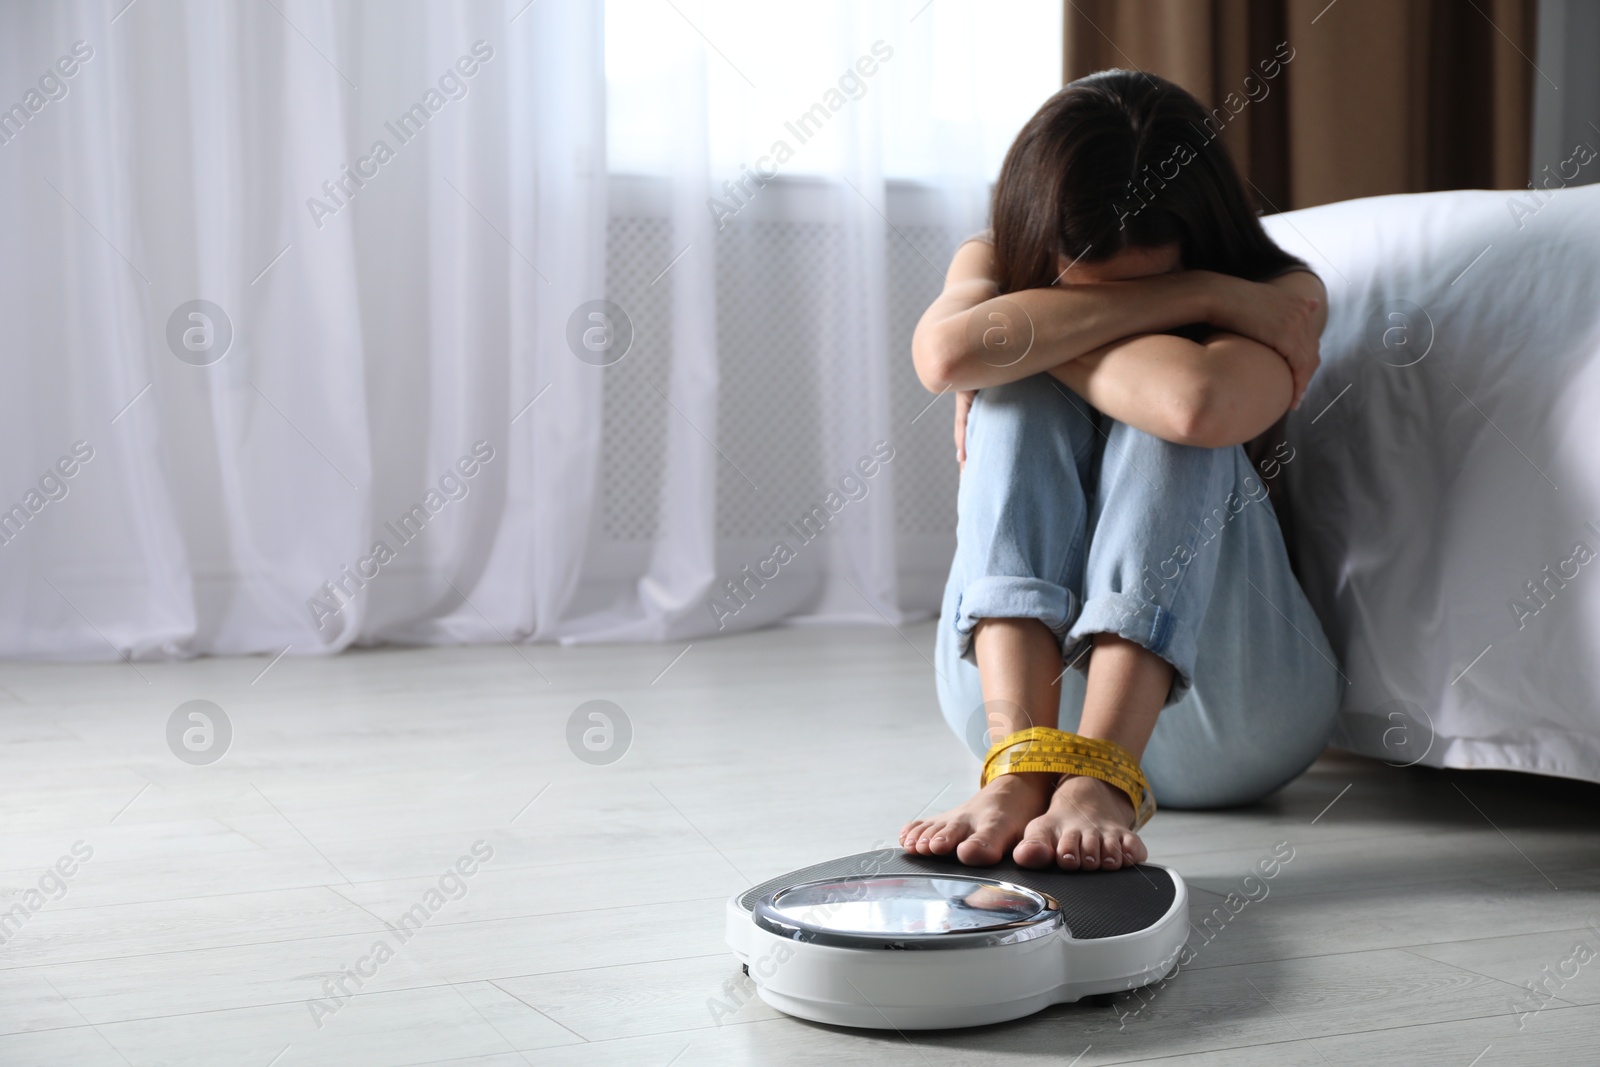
(1043, 749)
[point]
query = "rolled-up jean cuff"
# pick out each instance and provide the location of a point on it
(1012, 598)
(1141, 622)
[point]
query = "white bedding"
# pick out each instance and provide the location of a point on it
(1428, 496)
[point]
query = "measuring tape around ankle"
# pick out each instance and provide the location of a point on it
(1042, 749)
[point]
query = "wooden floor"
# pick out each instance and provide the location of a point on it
(219, 904)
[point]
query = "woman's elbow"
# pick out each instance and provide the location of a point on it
(937, 361)
(1191, 415)
(1206, 419)
(1200, 415)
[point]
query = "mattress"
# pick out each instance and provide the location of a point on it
(1444, 483)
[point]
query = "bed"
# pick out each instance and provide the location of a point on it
(1444, 487)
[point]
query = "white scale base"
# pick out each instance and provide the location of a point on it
(900, 948)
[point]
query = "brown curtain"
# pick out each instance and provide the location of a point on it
(1378, 96)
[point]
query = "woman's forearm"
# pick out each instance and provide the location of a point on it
(972, 338)
(1223, 392)
(1150, 382)
(1007, 338)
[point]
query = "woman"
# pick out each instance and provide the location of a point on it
(1125, 344)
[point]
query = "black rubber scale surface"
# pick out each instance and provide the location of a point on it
(1095, 904)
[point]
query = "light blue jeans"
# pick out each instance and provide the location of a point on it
(1090, 526)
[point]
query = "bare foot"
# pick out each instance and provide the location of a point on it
(1085, 827)
(983, 830)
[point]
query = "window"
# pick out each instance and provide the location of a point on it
(721, 81)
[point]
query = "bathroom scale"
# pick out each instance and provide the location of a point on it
(893, 940)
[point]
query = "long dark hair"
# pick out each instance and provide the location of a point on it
(1123, 159)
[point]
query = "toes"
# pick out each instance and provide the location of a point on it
(910, 832)
(1110, 850)
(1069, 850)
(1091, 850)
(977, 851)
(1034, 849)
(986, 843)
(1034, 854)
(943, 838)
(1133, 849)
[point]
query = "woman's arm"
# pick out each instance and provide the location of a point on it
(1067, 321)
(1224, 391)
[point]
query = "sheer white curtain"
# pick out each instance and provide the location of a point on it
(801, 174)
(297, 293)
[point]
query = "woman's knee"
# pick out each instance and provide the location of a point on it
(1128, 447)
(1030, 413)
(1038, 393)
